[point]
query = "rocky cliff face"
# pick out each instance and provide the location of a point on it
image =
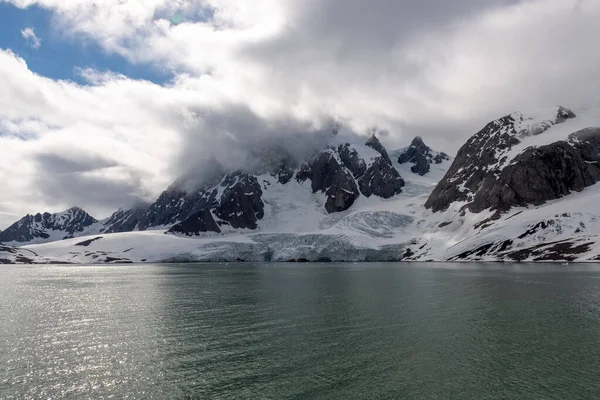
(343, 175)
(200, 222)
(328, 175)
(127, 220)
(543, 173)
(64, 225)
(484, 157)
(421, 156)
(381, 178)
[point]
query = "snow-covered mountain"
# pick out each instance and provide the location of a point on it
(238, 201)
(523, 188)
(48, 227)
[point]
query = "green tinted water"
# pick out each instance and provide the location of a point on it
(300, 331)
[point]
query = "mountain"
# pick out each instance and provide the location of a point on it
(349, 201)
(486, 154)
(49, 227)
(227, 202)
(523, 188)
(421, 156)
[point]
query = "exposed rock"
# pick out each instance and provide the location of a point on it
(352, 160)
(196, 224)
(38, 227)
(127, 220)
(376, 145)
(16, 255)
(86, 243)
(241, 204)
(328, 175)
(381, 179)
(284, 175)
(235, 199)
(422, 156)
(214, 201)
(485, 155)
(543, 173)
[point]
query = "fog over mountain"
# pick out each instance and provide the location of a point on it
(239, 76)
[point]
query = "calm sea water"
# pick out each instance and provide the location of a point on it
(300, 331)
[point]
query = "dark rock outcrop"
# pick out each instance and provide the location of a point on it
(328, 175)
(235, 200)
(38, 227)
(422, 156)
(376, 145)
(86, 243)
(543, 173)
(342, 174)
(484, 156)
(15, 255)
(127, 220)
(352, 160)
(196, 224)
(284, 175)
(240, 205)
(381, 178)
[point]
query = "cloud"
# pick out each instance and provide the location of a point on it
(116, 141)
(278, 71)
(29, 35)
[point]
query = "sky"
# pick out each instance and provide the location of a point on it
(103, 104)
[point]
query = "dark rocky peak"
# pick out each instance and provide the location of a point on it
(352, 160)
(38, 227)
(127, 220)
(343, 175)
(381, 179)
(376, 145)
(563, 114)
(240, 204)
(236, 202)
(418, 143)
(485, 155)
(328, 175)
(543, 173)
(422, 156)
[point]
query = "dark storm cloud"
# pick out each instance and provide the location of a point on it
(234, 136)
(53, 163)
(90, 181)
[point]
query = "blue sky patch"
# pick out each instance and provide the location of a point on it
(60, 56)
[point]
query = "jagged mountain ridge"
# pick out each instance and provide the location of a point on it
(48, 227)
(485, 155)
(230, 201)
(421, 156)
(530, 194)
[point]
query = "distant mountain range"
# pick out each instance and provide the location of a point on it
(522, 188)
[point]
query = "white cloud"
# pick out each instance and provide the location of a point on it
(29, 35)
(437, 68)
